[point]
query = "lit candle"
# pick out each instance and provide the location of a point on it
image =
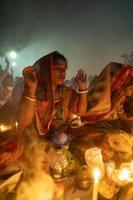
(124, 175)
(16, 125)
(4, 128)
(96, 176)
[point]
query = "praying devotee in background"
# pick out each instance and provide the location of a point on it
(6, 88)
(6, 84)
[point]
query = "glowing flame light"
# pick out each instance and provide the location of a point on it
(96, 174)
(13, 54)
(14, 64)
(16, 124)
(4, 128)
(124, 175)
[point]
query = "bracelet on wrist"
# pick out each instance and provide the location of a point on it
(82, 91)
(30, 95)
(30, 99)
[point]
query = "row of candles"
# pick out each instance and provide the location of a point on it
(122, 176)
(125, 174)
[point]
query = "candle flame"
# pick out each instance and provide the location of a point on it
(124, 175)
(2, 128)
(16, 124)
(96, 174)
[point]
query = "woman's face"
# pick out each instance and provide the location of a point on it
(59, 72)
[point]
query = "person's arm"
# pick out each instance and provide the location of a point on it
(82, 104)
(81, 80)
(26, 109)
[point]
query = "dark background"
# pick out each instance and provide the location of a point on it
(89, 33)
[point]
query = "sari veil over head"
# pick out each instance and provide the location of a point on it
(44, 68)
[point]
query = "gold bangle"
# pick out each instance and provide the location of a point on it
(30, 95)
(29, 98)
(82, 91)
